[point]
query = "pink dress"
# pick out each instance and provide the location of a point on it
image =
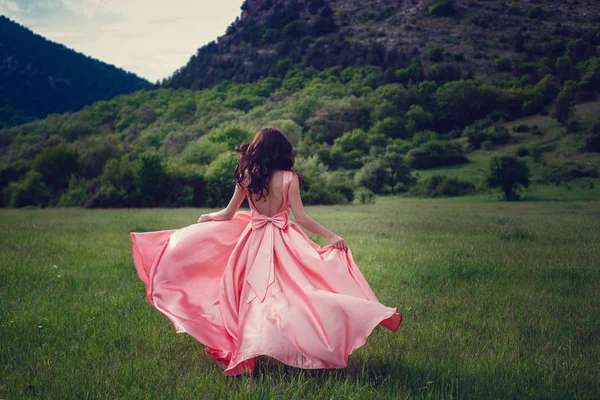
(256, 285)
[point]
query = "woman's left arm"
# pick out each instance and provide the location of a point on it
(229, 211)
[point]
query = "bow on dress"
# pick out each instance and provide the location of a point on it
(261, 274)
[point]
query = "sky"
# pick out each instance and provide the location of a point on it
(151, 38)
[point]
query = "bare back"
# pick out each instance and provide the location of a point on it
(273, 202)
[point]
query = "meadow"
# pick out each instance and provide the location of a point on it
(500, 300)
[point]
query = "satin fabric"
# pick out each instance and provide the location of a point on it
(257, 285)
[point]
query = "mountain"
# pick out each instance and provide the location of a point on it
(39, 77)
(486, 38)
(407, 97)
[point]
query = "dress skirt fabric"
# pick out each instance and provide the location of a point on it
(256, 285)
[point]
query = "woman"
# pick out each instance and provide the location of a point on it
(247, 284)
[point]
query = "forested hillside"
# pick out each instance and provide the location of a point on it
(39, 77)
(431, 124)
(463, 38)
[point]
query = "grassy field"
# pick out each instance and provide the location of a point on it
(500, 300)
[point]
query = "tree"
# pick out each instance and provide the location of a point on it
(29, 191)
(56, 164)
(393, 158)
(565, 102)
(219, 180)
(519, 42)
(509, 174)
(443, 8)
(385, 172)
(149, 179)
(590, 75)
(418, 118)
(337, 117)
(389, 101)
(504, 63)
(374, 175)
(231, 136)
(436, 53)
(445, 72)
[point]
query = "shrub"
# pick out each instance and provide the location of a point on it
(535, 12)
(75, 195)
(337, 117)
(521, 128)
(592, 144)
(476, 135)
(462, 102)
(538, 151)
(219, 180)
(590, 75)
(182, 112)
(353, 140)
(291, 130)
(295, 29)
(229, 135)
(435, 53)
(596, 128)
(522, 152)
(323, 25)
(119, 173)
(95, 151)
(421, 137)
(508, 174)
(244, 102)
(322, 186)
(374, 176)
(443, 8)
(389, 101)
(393, 127)
(29, 191)
(565, 102)
(504, 63)
(418, 119)
(445, 72)
(414, 72)
(441, 185)
(535, 130)
(487, 145)
(399, 171)
(434, 154)
(567, 172)
(55, 165)
(11, 173)
(518, 42)
(203, 151)
(149, 178)
(365, 196)
(336, 158)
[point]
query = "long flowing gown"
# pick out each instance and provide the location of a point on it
(256, 285)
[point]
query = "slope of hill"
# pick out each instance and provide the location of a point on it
(357, 130)
(39, 77)
(489, 39)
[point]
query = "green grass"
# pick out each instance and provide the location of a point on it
(500, 300)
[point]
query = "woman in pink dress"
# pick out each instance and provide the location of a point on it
(247, 284)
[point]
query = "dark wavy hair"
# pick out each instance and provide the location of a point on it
(267, 152)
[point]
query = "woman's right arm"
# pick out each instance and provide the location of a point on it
(229, 211)
(307, 222)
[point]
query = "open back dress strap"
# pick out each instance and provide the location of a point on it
(287, 180)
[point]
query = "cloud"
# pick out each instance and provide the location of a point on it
(9, 7)
(168, 20)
